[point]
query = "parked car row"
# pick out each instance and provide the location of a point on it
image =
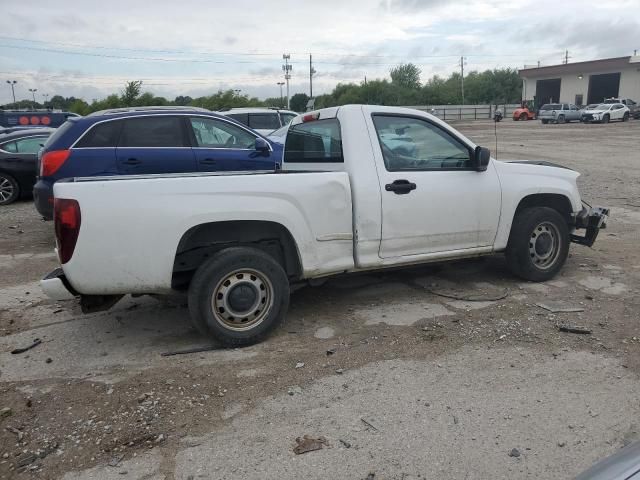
(610, 110)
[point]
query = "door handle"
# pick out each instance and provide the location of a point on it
(208, 161)
(400, 187)
(132, 161)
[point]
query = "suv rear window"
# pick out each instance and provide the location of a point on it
(264, 121)
(319, 141)
(60, 131)
(151, 131)
(101, 135)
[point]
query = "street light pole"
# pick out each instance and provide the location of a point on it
(280, 84)
(286, 68)
(33, 93)
(46, 97)
(13, 92)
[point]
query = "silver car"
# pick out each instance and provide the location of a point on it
(558, 113)
(622, 465)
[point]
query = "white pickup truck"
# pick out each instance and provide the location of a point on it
(361, 188)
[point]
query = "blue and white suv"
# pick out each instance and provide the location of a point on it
(149, 140)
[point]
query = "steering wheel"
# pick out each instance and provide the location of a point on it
(231, 141)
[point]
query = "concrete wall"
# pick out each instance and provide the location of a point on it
(571, 85)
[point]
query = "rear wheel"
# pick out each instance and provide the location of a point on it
(626, 117)
(544, 122)
(239, 296)
(9, 189)
(538, 244)
(523, 116)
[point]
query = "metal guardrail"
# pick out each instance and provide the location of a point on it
(468, 112)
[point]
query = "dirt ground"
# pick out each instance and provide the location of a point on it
(400, 380)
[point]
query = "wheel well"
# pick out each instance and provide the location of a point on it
(552, 200)
(205, 240)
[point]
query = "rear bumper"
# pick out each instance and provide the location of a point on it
(43, 199)
(56, 286)
(591, 219)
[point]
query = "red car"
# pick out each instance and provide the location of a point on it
(523, 113)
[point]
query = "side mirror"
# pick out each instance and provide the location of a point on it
(262, 145)
(481, 158)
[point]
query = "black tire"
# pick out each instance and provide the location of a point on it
(560, 119)
(544, 122)
(9, 189)
(262, 281)
(605, 119)
(625, 118)
(524, 253)
(523, 117)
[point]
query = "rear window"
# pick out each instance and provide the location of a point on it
(153, 132)
(9, 147)
(551, 106)
(264, 121)
(243, 118)
(318, 141)
(287, 117)
(101, 135)
(57, 135)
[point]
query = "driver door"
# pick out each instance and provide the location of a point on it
(433, 200)
(220, 145)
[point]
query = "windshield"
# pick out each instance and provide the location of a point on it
(551, 106)
(281, 132)
(602, 107)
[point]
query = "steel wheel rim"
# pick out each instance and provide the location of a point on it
(6, 189)
(544, 245)
(232, 303)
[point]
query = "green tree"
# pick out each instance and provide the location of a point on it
(131, 92)
(406, 75)
(298, 102)
(80, 107)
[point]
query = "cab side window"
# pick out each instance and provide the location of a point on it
(30, 145)
(410, 143)
(212, 133)
(318, 141)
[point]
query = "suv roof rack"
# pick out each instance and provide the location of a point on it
(113, 111)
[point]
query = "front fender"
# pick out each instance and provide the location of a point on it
(520, 180)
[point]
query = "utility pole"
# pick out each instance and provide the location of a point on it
(286, 68)
(33, 94)
(312, 72)
(13, 92)
(280, 84)
(566, 57)
(462, 60)
(46, 97)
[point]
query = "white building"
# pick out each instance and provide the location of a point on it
(582, 83)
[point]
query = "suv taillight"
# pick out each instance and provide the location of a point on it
(66, 217)
(52, 161)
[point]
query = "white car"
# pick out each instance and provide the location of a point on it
(343, 202)
(262, 120)
(606, 112)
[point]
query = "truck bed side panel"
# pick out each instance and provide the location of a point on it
(131, 228)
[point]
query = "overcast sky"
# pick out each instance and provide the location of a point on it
(89, 48)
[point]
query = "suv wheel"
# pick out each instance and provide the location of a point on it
(238, 296)
(538, 244)
(9, 189)
(561, 119)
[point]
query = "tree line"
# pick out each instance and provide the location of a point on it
(404, 87)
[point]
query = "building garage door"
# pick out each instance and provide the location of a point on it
(547, 91)
(606, 85)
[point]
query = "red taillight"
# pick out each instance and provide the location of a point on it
(52, 161)
(66, 216)
(311, 117)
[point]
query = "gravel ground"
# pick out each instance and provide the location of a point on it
(391, 378)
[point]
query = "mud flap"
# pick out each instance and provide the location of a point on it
(98, 303)
(592, 220)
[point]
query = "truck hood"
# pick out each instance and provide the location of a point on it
(535, 167)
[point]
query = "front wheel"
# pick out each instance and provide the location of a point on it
(238, 296)
(9, 189)
(605, 119)
(538, 244)
(523, 116)
(561, 119)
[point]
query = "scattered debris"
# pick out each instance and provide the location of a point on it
(345, 443)
(6, 412)
(48, 360)
(371, 476)
(468, 298)
(574, 329)
(299, 364)
(35, 343)
(562, 444)
(559, 307)
(19, 433)
(26, 459)
(369, 425)
(295, 390)
(309, 444)
(115, 461)
(207, 348)
(514, 453)
(339, 371)
(331, 351)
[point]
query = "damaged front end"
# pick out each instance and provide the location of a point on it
(592, 220)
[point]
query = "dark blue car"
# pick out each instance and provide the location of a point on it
(146, 141)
